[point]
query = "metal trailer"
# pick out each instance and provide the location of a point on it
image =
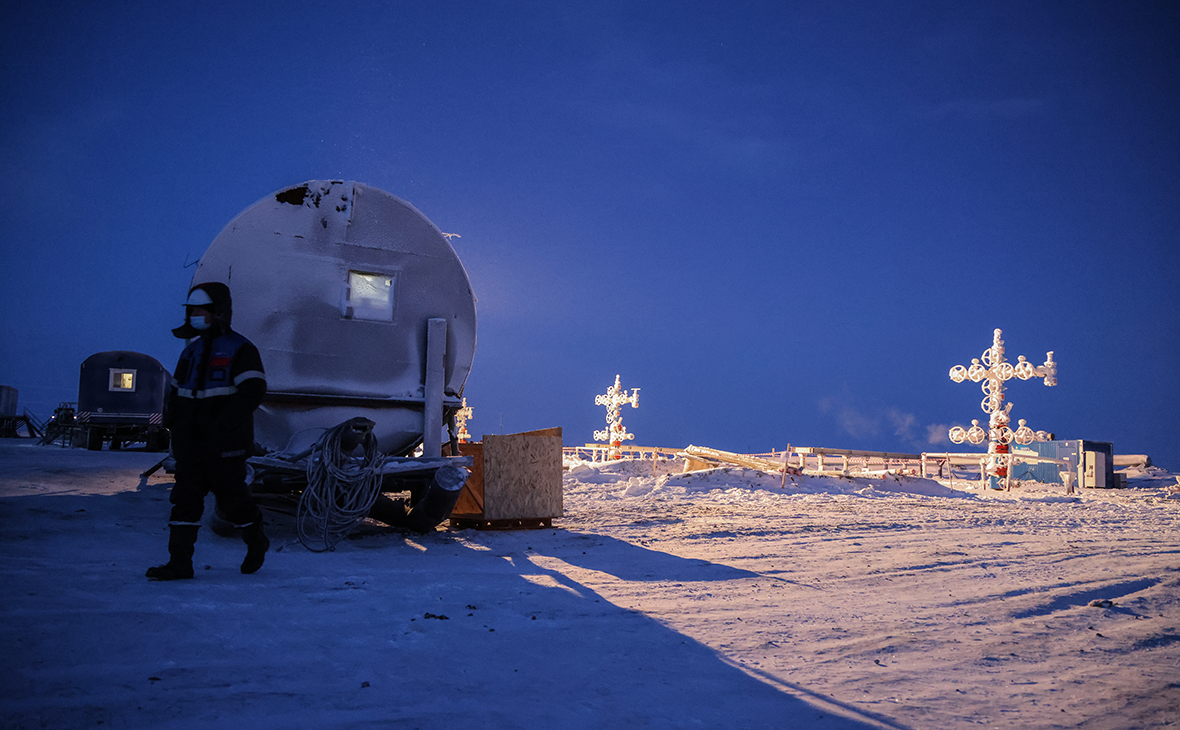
(363, 315)
(121, 400)
(341, 286)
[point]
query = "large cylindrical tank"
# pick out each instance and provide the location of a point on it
(335, 282)
(8, 400)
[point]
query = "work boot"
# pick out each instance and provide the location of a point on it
(256, 546)
(182, 540)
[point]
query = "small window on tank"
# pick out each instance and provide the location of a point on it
(369, 297)
(122, 381)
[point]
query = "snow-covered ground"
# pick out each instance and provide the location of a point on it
(719, 599)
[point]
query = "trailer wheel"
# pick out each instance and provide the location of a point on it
(157, 440)
(94, 439)
(115, 444)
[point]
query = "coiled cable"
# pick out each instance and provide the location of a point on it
(341, 488)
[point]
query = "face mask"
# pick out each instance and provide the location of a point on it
(199, 323)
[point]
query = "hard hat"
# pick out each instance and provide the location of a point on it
(198, 298)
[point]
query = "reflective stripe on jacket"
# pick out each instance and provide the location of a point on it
(218, 383)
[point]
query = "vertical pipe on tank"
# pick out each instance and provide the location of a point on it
(436, 350)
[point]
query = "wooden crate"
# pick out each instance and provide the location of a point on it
(515, 481)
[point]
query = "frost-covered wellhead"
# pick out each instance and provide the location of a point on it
(334, 282)
(994, 370)
(615, 432)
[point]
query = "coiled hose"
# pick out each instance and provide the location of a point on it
(341, 488)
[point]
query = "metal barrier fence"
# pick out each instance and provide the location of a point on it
(600, 452)
(815, 460)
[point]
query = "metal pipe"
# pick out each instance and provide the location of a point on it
(436, 350)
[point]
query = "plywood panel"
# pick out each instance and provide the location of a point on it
(470, 502)
(522, 475)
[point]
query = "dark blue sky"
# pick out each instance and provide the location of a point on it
(784, 222)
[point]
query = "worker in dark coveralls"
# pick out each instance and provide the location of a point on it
(218, 384)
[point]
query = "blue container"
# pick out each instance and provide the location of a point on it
(1095, 456)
